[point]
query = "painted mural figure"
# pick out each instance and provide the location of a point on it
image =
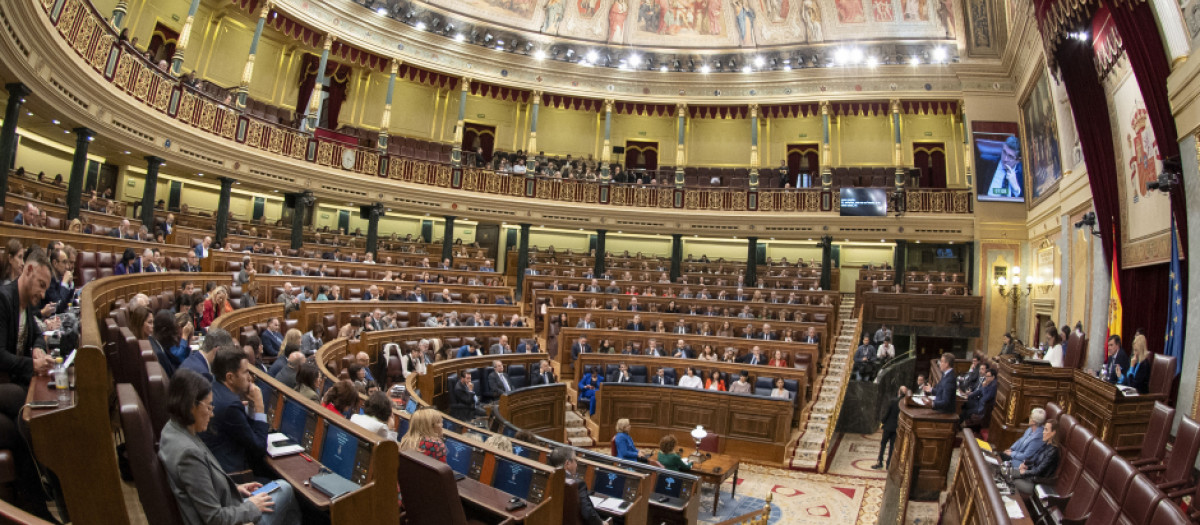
(850, 11)
(587, 8)
(811, 14)
(648, 17)
(554, 15)
(713, 19)
(883, 11)
(914, 10)
(616, 20)
(745, 21)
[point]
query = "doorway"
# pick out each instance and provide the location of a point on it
(479, 136)
(162, 43)
(930, 159)
(803, 165)
(641, 155)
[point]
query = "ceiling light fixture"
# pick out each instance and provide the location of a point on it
(914, 61)
(759, 61)
(705, 69)
(872, 61)
(592, 55)
(635, 60)
(539, 54)
(381, 11)
(939, 54)
(420, 26)
(856, 55)
(459, 37)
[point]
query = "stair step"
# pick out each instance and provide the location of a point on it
(581, 442)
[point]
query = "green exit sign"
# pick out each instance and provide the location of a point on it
(480, 115)
(804, 135)
(641, 133)
(928, 133)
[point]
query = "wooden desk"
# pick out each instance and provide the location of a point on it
(752, 427)
(940, 315)
(75, 441)
(297, 470)
(1117, 419)
(539, 409)
(494, 501)
(1019, 389)
(924, 443)
(974, 497)
(706, 468)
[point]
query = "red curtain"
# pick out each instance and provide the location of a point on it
(479, 136)
(339, 75)
(641, 155)
(801, 157)
(930, 158)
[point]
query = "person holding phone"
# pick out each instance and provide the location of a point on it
(205, 494)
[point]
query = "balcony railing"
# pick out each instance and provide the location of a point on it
(121, 65)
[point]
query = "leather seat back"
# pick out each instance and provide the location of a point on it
(571, 502)
(1162, 375)
(429, 491)
(1114, 489)
(1183, 455)
(157, 384)
(1140, 500)
(154, 491)
(1155, 442)
(1087, 489)
(1168, 513)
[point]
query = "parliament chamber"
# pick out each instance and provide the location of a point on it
(450, 262)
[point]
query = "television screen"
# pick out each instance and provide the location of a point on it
(339, 451)
(458, 455)
(999, 165)
(864, 202)
(293, 421)
(512, 478)
(609, 483)
(667, 485)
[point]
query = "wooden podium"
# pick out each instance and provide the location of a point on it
(1021, 388)
(921, 461)
(1117, 419)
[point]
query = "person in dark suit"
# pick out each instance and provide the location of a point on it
(22, 348)
(192, 265)
(623, 375)
(238, 433)
(417, 295)
(811, 336)
(272, 339)
(1043, 463)
(499, 382)
(943, 400)
(891, 416)
(544, 375)
(464, 403)
(204, 492)
(528, 346)
(565, 457)
(636, 325)
(581, 346)
(201, 250)
(755, 357)
(62, 288)
(1118, 361)
(661, 378)
(201, 362)
(979, 403)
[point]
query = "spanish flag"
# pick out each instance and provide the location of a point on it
(1114, 299)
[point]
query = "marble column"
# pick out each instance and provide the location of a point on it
(753, 147)
(531, 152)
(118, 15)
(184, 35)
(83, 139)
(386, 120)
(149, 189)
(8, 133)
(1188, 383)
(606, 149)
(897, 146)
(676, 255)
(448, 238)
(243, 91)
(223, 209)
(598, 266)
(681, 123)
(522, 261)
(456, 152)
(826, 151)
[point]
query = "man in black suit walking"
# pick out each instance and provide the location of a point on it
(890, 417)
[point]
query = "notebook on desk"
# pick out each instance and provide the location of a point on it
(609, 504)
(332, 485)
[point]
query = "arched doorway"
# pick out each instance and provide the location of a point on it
(930, 158)
(803, 165)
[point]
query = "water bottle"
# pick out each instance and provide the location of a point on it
(61, 383)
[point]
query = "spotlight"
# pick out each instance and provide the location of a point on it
(705, 69)
(487, 38)
(855, 55)
(420, 26)
(759, 61)
(635, 60)
(915, 61)
(841, 56)
(592, 55)
(539, 54)
(663, 69)
(747, 69)
(787, 67)
(939, 54)
(570, 53)
(872, 61)
(55, 122)
(381, 11)
(459, 37)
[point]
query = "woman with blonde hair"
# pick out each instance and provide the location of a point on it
(215, 306)
(1138, 375)
(623, 446)
(292, 337)
(500, 442)
(425, 434)
(76, 226)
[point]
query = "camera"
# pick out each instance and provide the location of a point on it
(1169, 178)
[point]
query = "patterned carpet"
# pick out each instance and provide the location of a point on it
(800, 498)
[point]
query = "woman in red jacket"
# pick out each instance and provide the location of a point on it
(215, 306)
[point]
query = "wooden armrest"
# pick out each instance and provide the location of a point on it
(1137, 463)
(1166, 487)
(1054, 500)
(1176, 494)
(1152, 468)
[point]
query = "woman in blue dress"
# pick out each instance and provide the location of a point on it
(587, 390)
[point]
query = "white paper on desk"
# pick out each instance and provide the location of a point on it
(991, 460)
(1013, 508)
(596, 501)
(611, 504)
(275, 451)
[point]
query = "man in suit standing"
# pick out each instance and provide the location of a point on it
(544, 375)
(499, 382)
(502, 347)
(891, 416)
(1118, 360)
(636, 325)
(272, 338)
(943, 400)
(237, 433)
(581, 346)
(660, 378)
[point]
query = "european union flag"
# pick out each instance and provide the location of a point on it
(1175, 332)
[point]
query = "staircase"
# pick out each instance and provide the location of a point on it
(816, 431)
(577, 430)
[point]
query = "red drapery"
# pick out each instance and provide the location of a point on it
(641, 155)
(338, 75)
(930, 158)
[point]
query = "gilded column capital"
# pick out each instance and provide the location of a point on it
(753, 110)
(266, 9)
(608, 105)
(466, 83)
(536, 98)
(328, 43)
(895, 105)
(681, 110)
(824, 107)
(396, 63)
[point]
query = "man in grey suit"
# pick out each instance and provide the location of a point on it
(502, 347)
(586, 322)
(499, 382)
(204, 493)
